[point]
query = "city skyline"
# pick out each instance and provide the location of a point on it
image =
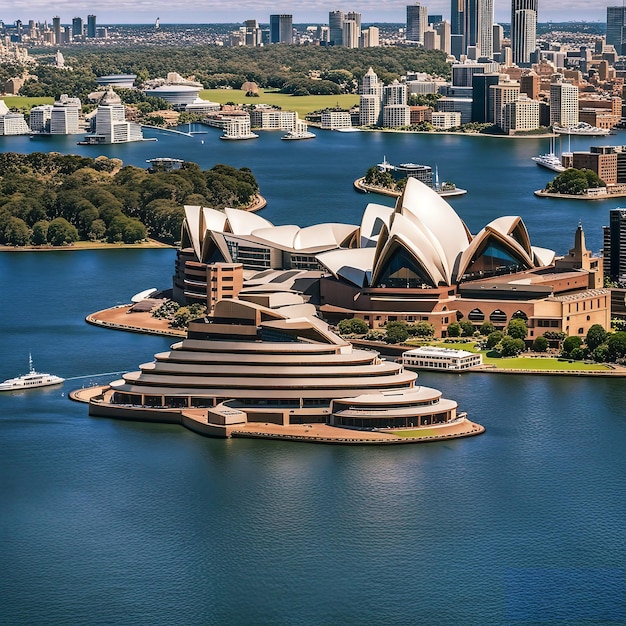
(202, 12)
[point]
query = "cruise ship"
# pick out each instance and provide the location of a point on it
(31, 380)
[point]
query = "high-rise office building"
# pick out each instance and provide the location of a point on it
(473, 20)
(616, 27)
(56, 29)
(498, 36)
(335, 25)
(563, 102)
(615, 246)
(416, 22)
(77, 27)
(500, 95)
(281, 28)
(351, 34)
(91, 26)
(481, 93)
(523, 30)
(443, 30)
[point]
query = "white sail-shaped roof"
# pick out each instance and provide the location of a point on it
(543, 256)
(327, 235)
(214, 220)
(438, 219)
(354, 265)
(374, 218)
(193, 215)
(244, 222)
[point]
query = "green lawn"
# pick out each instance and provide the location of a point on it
(522, 362)
(301, 104)
(25, 103)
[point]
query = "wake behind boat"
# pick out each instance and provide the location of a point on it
(30, 380)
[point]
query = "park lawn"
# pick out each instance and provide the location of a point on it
(301, 104)
(20, 102)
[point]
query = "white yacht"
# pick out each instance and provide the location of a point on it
(550, 160)
(30, 380)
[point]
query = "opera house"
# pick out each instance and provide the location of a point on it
(264, 365)
(416, 261)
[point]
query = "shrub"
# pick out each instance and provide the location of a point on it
(511, 346)
(486, 328)
(494, 339)
(467, 328)
(540, 344)
(517, 329)
(454, 329)
(396, 332)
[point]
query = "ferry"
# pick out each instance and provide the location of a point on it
(30, 380)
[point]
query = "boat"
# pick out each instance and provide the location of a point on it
(30, 380)
(582, 128)
(295, 134)
(550, 160)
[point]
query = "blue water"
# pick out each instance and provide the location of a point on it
(109, 522)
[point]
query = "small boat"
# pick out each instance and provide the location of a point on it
(294, 134)
(30, 380)
(581, 128)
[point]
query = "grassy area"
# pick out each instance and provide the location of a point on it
(301, 104)
(521, 362)
(19, 102)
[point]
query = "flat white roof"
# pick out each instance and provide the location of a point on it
(436, 351)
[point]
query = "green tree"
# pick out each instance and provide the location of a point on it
(353, 326)
(61, 232)
(467, 328)
(454, 329)
(540, 344)
(570, 344)
(512, 346)
(40, 232)
(517, 329)
(396, 332)
(616, 344)
(601, 353)
(486, 328)
(494, 339)
(16, 232)
(97, 230)
(596, 336)
(422, 329)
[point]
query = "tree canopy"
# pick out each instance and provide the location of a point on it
(100, 198)
(575, 182)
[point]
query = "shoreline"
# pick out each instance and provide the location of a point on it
(564, 196)
(361, 187)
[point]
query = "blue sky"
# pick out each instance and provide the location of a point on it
(207, 11)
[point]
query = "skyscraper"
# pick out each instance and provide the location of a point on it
(77, 27)
(416, 22)
(615, 246)
(473, 20)
(616, 27)
(56, 29)
(335, 25)
(523, 30)
(91, 26)
(281, 28)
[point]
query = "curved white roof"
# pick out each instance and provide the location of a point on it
(279, 235)
(374, 217)
(543, 256)
(214, 219)
(322, 235)
(354, 265)
(244, 222)
(436, 216)
(418, 243)
(192, 215)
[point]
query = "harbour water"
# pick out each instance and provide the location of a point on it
(107, 522)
